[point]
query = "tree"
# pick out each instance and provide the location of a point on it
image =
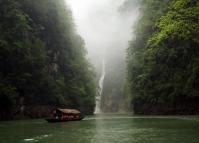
(42, 58)
(161, 69)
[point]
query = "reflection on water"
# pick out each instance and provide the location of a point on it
(37, 138)
(104, 129)
(99, 135)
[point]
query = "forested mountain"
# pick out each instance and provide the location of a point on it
(42, 60)
(163, 58)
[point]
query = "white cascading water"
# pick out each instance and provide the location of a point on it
(100, 89)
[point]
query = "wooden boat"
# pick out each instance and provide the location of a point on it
(64, 115)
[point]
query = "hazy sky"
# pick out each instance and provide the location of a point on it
(104, 29)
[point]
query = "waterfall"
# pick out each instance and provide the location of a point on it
(100, 89)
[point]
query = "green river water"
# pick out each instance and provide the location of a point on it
(104, 129)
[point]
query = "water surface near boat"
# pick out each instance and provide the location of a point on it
(105, 128)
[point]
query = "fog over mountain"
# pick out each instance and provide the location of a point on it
(106, 27)
(103, 24)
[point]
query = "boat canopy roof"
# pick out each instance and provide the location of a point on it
(68, 111)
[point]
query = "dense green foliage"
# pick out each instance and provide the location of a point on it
(163, 58)
(42, 59)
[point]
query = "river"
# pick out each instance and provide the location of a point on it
(110, 128)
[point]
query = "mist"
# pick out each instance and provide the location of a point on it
(106, 27)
